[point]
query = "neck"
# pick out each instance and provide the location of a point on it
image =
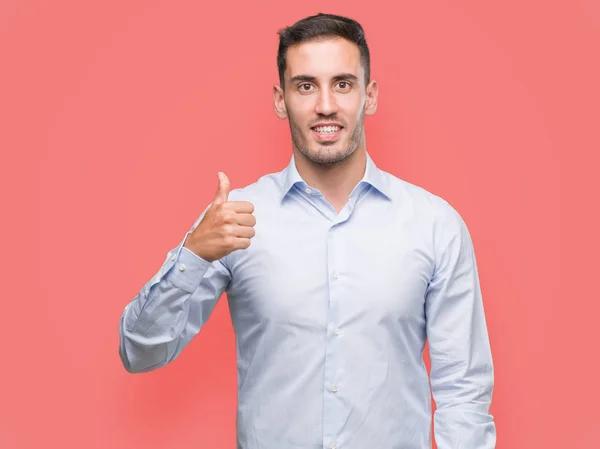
(335, 181)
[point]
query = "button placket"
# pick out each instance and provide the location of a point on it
(333, 406)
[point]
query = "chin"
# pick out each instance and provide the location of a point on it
(327, 154)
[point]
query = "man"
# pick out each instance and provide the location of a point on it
(336, 273)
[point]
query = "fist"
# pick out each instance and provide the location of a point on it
(225, 227)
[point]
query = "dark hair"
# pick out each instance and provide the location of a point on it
(320, 27)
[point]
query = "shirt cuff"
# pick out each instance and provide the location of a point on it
(188, 270)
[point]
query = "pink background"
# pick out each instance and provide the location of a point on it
(115, 117)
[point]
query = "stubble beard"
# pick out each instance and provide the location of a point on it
(327, 153)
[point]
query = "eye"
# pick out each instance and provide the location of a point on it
(344, 85)
(307, 85)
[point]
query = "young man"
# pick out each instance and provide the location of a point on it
(350, 270)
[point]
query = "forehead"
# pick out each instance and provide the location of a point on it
(323, 59)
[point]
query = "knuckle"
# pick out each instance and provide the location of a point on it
(221, 220)
(229, 242)
(219, 207)
(229, 217)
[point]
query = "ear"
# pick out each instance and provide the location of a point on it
(279, 102)
(372, 97)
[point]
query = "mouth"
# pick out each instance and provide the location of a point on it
(327, 133)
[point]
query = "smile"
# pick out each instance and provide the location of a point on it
(327, 133)
(327, 129)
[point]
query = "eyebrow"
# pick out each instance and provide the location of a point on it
(347, 76)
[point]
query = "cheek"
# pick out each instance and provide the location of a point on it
(351, 106)
(299, 112)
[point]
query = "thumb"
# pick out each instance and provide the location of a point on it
(223, 190)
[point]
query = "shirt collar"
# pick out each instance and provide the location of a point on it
(373, 176)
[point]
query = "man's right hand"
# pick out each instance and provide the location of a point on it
(225, 227)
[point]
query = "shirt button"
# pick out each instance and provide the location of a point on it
(334, 388)
(182, 267)
(336, 276)
(173, 259)
(332, 446)
(308, 190)
(336, 331)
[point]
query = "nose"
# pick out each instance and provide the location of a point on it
(326, 104)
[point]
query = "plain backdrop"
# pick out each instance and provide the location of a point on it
(115, 117)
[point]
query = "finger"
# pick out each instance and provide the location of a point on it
(242, 243)
(241, 207)
(245, 232)
(245, 219)
(223, 190)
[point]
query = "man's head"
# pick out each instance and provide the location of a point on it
(324, 73)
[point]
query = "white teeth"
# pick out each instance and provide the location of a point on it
(327, 129)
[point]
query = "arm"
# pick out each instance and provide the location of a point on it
(170, 309)
(462, 376)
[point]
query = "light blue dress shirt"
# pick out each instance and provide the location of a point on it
(331, 312)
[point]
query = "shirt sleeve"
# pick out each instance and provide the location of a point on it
(462, 375)
(170, 309)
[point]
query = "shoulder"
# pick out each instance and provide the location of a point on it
(266, 189)
(419, 201)
(433, 213)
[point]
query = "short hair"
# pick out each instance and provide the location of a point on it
(320, 27)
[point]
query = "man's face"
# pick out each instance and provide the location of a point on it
(324, 85)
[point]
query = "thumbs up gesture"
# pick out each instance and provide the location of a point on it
(225, 227)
